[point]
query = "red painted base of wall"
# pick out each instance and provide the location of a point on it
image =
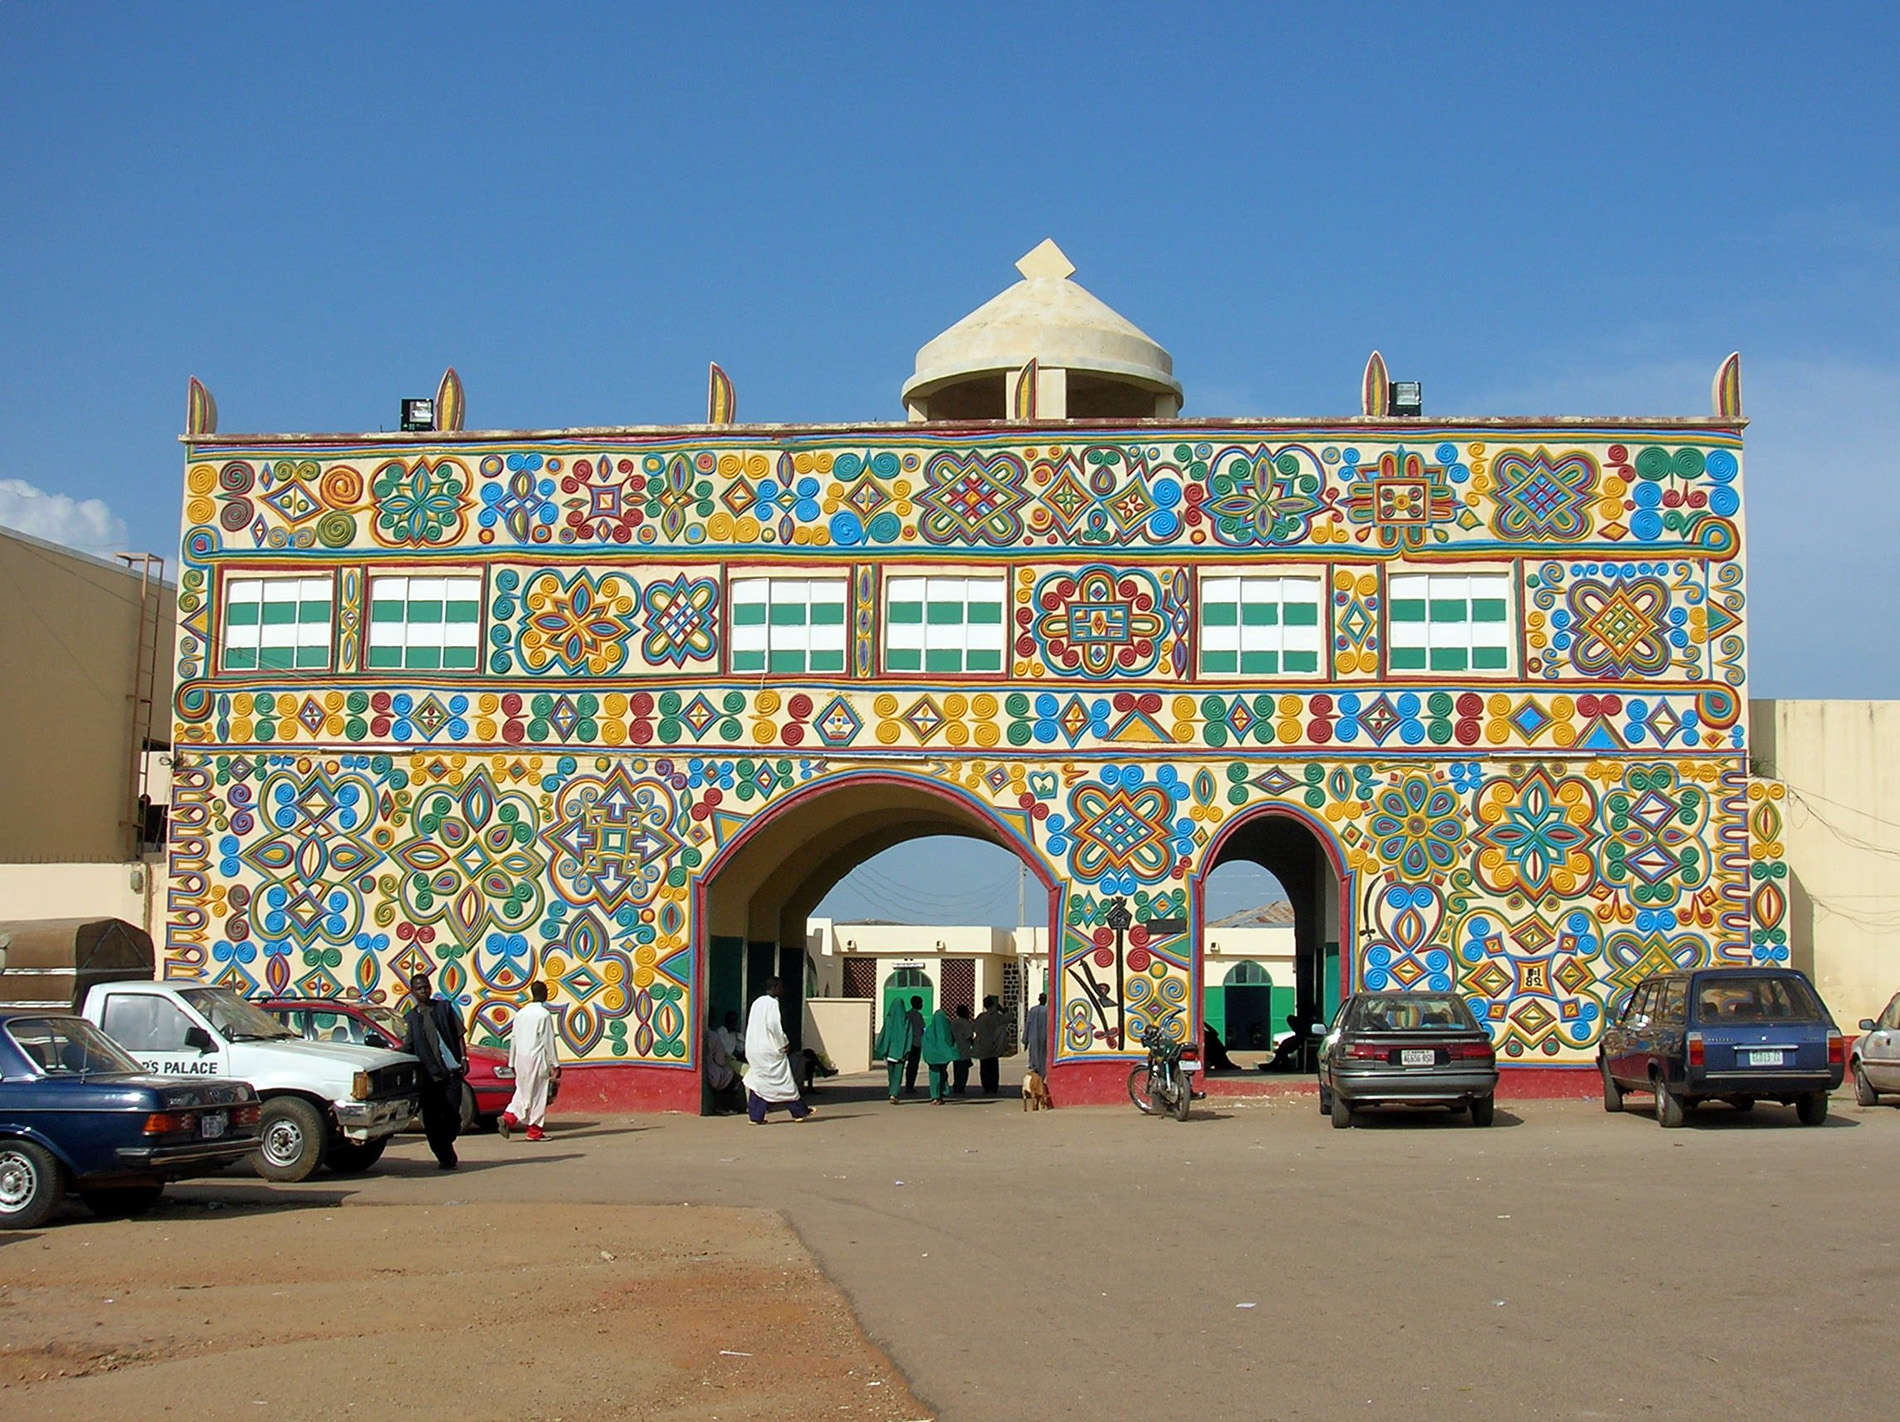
(627, 1089)
(614, 1089)
(1106, 1084)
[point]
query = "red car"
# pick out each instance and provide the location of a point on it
(486, 1090)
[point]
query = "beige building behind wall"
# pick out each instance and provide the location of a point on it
(1837, 766)
(85, 653)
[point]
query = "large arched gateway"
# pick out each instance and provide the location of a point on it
(613, 707)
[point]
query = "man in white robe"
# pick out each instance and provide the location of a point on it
(531, 1056)
(768, 1075)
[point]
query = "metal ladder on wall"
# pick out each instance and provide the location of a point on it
(151, 572)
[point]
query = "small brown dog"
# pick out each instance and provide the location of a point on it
(1036, 1093)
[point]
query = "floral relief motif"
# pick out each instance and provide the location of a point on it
(1260, 497)
(1534, 835)
(578, 625)
(420, 506)
(1419, 827)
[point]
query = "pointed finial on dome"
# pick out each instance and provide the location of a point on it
(1046, 260)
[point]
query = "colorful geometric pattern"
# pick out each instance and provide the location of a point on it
(680, 631)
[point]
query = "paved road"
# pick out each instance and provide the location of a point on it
(1253, 1262)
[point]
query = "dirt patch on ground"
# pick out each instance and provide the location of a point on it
(508, 1311)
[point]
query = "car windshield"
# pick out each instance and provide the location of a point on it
(68, 1046)
(235, 1019)
(1410, 1012)
(1751, 999)
(389, 1022)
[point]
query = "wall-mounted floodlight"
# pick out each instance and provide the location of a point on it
(1408, 397)
(418, 415)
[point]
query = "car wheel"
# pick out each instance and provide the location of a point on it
(1612, 1093)
(29, 1185)
(1811, 1108)
(1483, 1109)
(469, 1114)
(290, 1140)
(1864, 1092)
(1325, 1102)
(1342, 1112)
(122, 1202)
(1138, 1089)
(352, 1159)
(1669, 1113)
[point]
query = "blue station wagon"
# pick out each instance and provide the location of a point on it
(78, 1113)
(1738, 1035)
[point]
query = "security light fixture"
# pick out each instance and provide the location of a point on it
(418, 415)
(1408, 397)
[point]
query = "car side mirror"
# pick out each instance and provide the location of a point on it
(1318, 1029)
(377, 1039)
(198, 1040)
(1867, 1024)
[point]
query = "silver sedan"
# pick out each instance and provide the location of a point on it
(1875, 1064)
(1407, 1048)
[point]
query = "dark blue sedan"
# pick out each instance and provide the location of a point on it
(77, 1113)
(1738, 1035)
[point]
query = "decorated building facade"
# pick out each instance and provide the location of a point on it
(616, 707)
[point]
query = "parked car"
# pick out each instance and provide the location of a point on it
(1407, 1048)
(77, 1112)
(328, 1103)
(1739, 1035)
(486, 1091)
(1875, 1063)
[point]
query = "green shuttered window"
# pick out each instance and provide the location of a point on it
(944, 624)
(791, 626)
(1260, 627)
(1449, 622)
(277, 623)
(424, 624)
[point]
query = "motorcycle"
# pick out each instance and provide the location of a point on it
(1162, 1085)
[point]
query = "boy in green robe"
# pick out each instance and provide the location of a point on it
(893, 1044)
(940, 1050)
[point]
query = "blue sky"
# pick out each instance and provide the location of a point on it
(1574, 209)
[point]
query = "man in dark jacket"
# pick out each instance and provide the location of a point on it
(434, 1039)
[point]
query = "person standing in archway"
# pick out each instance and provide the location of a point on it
(914, 1053)
(893, 1044)
(964, 1030)
(1036, 1036)
(989, 1043)
(768, 1075)
(940, 1050)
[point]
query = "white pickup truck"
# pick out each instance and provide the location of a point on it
(324, 1103)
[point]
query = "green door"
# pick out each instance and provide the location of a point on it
(899, 988)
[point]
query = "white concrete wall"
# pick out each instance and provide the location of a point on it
(840, 1028)
(1270, 945)
(126, 891)
(1839, 762)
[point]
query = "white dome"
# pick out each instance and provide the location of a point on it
(1048, 318)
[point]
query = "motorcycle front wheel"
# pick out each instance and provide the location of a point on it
(1141, 1087)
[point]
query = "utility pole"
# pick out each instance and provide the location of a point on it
(1022, 883)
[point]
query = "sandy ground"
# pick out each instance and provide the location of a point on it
(447, 1310)
(1251, 1262)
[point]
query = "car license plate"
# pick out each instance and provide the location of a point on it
(1762, 1058)
(1417, 1056)
(211, 1125)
